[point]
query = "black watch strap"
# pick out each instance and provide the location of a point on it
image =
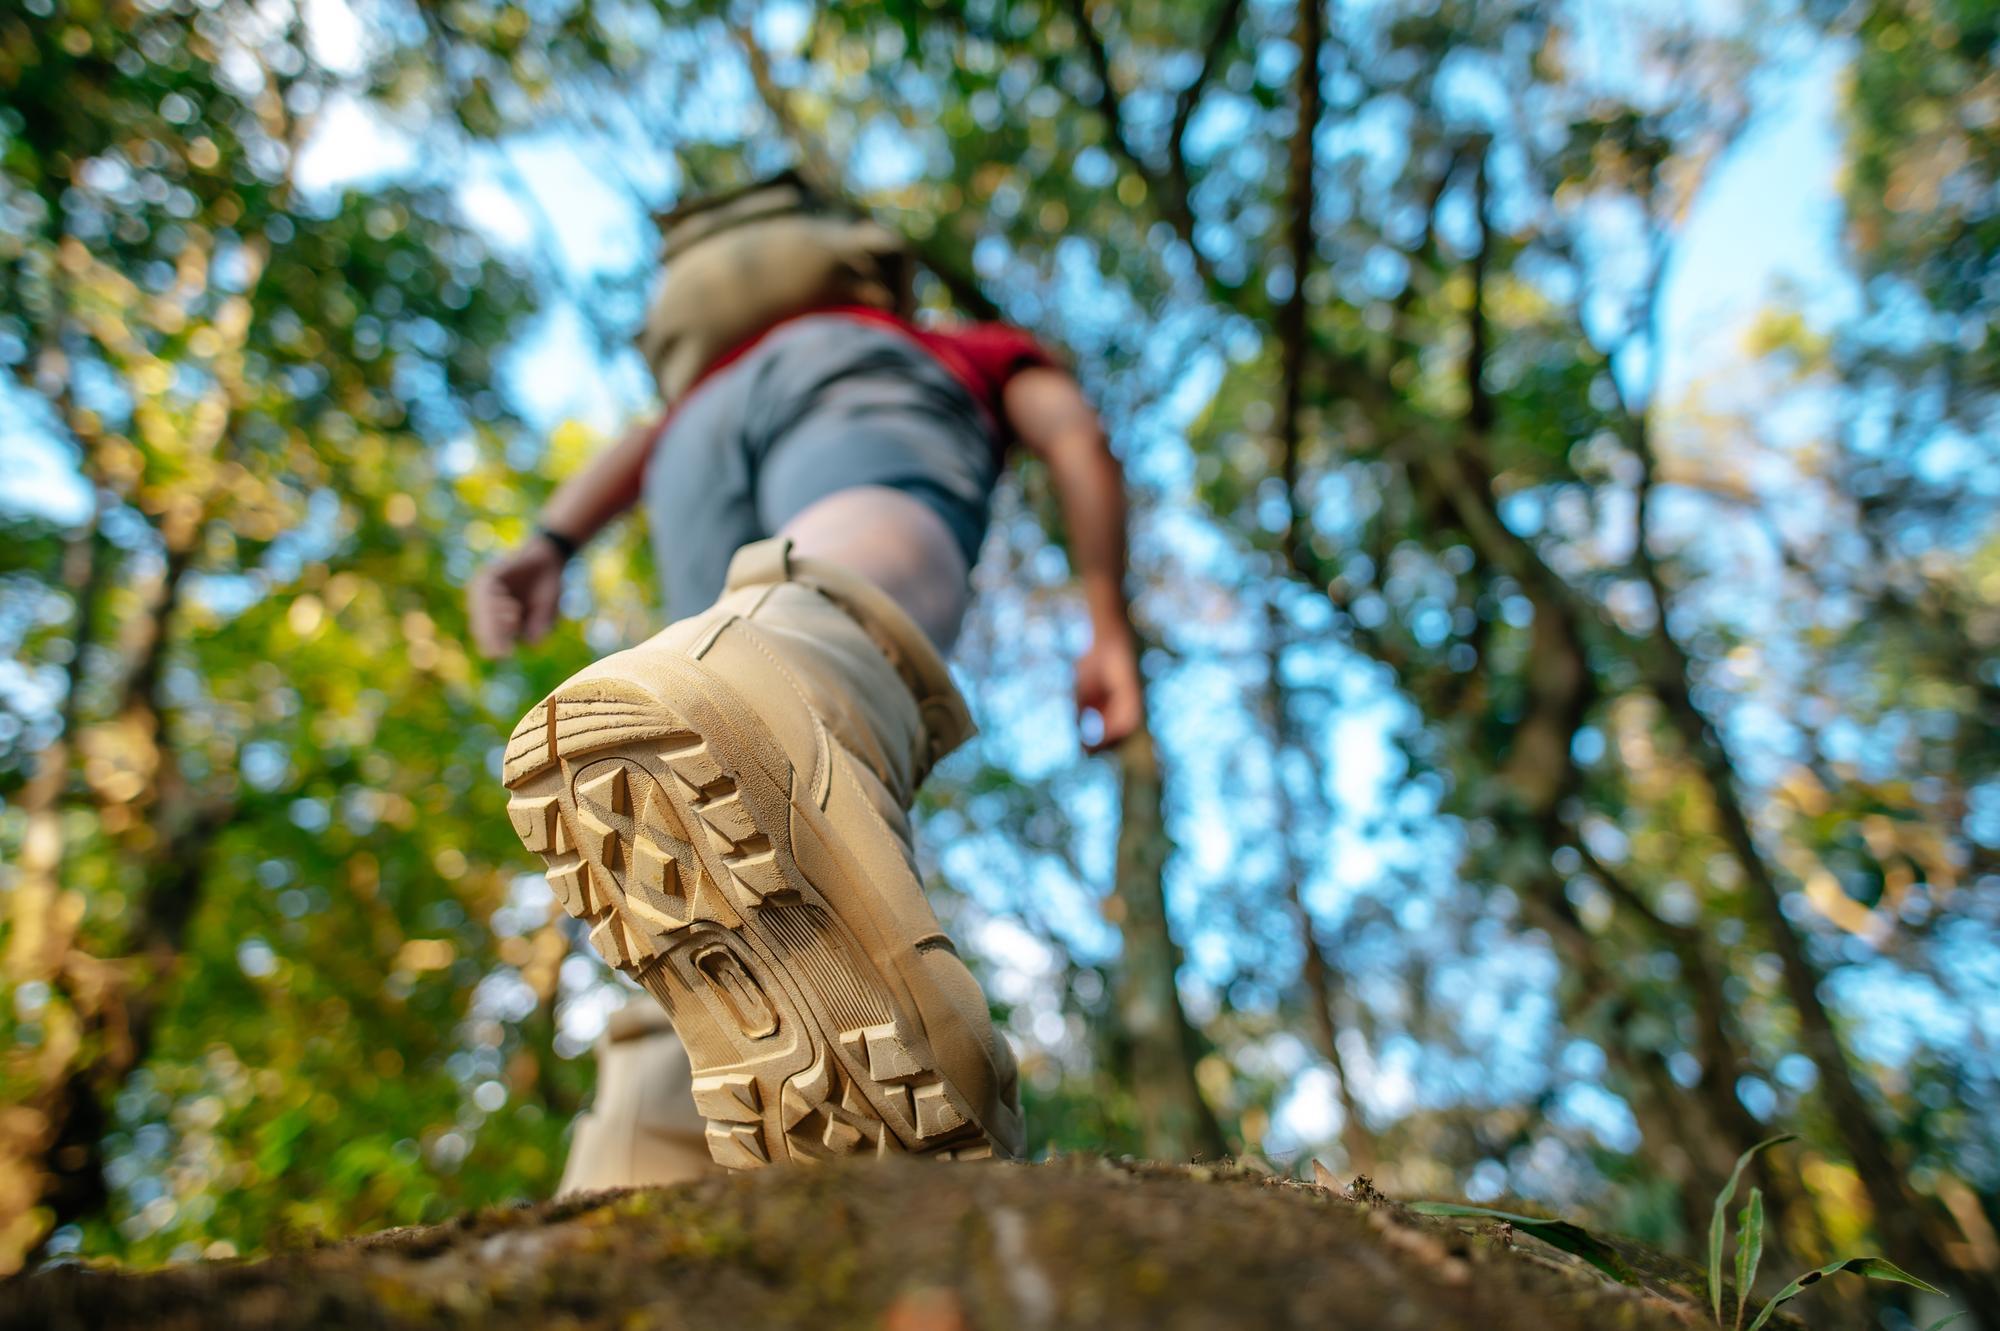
(566, 546)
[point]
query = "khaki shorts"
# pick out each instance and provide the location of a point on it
(823, 404)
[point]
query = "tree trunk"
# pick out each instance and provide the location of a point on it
(1316, 973)
(1723, 1059)
(127, 994)
(1321, 985)
(1916, 1231)
(75, 1189)
(1175, 1123)
(42, 918)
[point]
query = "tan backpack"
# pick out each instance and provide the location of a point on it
(740, 262)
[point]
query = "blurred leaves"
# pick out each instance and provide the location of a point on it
(240, 1012)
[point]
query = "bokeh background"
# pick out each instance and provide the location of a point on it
(1564, 449)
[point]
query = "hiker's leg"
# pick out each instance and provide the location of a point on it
(899, 543)
(725, 805)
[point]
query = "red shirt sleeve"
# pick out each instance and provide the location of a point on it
(999, 351)
(984, 357)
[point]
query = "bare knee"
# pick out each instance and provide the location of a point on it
(899, 543)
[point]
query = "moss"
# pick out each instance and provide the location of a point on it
(906, 1244)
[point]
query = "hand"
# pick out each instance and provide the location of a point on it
(514, 598)
(1108, 687)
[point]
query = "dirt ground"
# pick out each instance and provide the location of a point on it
(904, 1245)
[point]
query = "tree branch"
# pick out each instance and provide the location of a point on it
(1479, 403)
(1291, 323)
(1109, 102)
(1220, 40)
(1174, 190)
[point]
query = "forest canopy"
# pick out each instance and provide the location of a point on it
(1563, 440)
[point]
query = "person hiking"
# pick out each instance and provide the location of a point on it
(727, 804)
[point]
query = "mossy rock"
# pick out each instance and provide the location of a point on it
(907, 1246)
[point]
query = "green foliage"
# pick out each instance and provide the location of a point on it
(1750, 1251)
(1749, 1248)
(1571, 1238)
(1718, 1231)
(1872, 1268)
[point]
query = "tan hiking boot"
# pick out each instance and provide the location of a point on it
(726, 804)
(642, 1130)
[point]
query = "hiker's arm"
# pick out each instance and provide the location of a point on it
(514, 597)
(1055, 422)
(609, 483)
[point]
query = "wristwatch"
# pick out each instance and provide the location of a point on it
(566, 546)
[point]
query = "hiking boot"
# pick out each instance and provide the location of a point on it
(642, 1129)
(727, 806)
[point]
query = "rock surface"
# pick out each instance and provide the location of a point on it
(905, 1246)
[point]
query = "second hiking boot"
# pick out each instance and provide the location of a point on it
(727, 806)
(641, 1130)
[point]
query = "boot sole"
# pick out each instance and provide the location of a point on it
(671, 832)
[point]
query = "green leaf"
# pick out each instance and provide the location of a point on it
(1573, 1239)
(1718, 1222)
(1941, 1323)
(1749, 1249)
(1874, 1268)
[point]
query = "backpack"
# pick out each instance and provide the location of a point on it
(737, 263)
